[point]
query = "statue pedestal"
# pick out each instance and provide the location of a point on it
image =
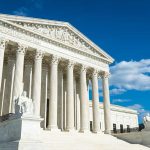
(20, 131)
(30, 128)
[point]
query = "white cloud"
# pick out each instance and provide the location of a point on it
(132, 75)
(117, 91)
(137, 107)
(120, 100)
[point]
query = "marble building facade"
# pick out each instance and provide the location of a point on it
(53, 62)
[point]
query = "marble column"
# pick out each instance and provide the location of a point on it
(64, 102)
(52, 120)
(88, 96)
(28, 77)
(106, 103)
(44, 90)
(78, 96)
(60, 99)
(9, 85)
(37, 75)
(2, 50)
(75, 102)
(95, 102)
(2, 97)
(70, 98)
(84, 107)
(18, 77)
(3, 88)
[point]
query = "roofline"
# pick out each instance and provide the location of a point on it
(126, 109)
(46, 21)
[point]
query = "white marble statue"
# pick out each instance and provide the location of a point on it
(146, 118)
(146, 121)
(24, 105)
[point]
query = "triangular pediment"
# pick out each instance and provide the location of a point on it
(61, 31)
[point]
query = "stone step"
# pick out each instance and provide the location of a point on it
(88, 141)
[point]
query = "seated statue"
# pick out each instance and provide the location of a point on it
(24, 105)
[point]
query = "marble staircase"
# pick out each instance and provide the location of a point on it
(85, 141)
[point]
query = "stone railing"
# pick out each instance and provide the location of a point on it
(126, 130)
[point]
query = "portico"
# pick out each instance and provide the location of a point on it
(53, 63)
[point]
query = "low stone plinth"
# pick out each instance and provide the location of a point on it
(16, 132)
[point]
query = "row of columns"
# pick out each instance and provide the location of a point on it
(36, 93)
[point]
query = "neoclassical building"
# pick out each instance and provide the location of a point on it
(53, 62)
(123, 119)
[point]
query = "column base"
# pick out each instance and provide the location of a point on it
(97, 132)
(107, 132)
(71, 130)
(84, 131)
(53, 128)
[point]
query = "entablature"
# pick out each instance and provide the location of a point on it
(19, 35)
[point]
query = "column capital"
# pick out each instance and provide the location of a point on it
(38, 55)
(3, 43)
(83, 68)
(54, 59)
(105, 74)
(95, 72)
(21, 49)
(70, 64)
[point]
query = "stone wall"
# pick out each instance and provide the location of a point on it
(142, 137)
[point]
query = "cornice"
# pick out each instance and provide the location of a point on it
(117, 108)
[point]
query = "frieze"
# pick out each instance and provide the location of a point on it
(62, 34)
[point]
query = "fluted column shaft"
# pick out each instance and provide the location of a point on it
(28, 77)
(70, 98)
(78, 104)
(37, 75)
(44, 89)
(18, 77)
(2, 50)
(106, 103)
(95, 102)
(9, 85)
(60, 99)
(52, 120)
(84, 108)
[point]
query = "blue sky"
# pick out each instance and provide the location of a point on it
(121, 28)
